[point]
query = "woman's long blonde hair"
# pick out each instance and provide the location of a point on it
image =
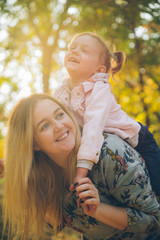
(33, 182)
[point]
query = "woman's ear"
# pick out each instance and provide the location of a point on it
(101, 69)
(36, 147)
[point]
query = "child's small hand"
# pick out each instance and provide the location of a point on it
(80, 173)
(1, 168)
(88, 196)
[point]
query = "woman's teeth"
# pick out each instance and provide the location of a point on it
(63, 136)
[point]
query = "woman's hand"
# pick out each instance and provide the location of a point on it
(88, 196)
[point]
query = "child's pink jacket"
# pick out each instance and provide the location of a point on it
(97, 111)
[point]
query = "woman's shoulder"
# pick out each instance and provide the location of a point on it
(122, 174)
(115, 148)
(119, 163)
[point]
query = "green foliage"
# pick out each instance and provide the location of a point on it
(130, 26)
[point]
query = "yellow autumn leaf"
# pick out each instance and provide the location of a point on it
(1, 148)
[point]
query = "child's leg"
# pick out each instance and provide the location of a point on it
(150, 151)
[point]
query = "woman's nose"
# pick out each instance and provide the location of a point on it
(57, 126)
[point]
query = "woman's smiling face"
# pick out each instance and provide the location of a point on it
(54, 131)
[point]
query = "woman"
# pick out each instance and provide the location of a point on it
(41, 147)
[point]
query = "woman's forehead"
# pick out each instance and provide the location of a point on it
(42, 103)
(44, 108)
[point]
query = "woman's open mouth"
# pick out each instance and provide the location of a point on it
(62, 136)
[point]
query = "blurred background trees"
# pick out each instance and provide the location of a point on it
(34, 36)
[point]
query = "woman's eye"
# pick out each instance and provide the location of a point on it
(60, 115)
(44, 126)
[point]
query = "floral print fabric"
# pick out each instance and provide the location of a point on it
(122, 180)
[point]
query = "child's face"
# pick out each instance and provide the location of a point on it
(83, 57)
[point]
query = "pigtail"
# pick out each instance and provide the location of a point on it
(118, 60)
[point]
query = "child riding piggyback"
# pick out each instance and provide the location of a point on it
(87, 92)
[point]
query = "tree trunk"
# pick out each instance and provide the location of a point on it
(142, 83)
(46, 70)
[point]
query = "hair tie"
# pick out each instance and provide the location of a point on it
(114, 56)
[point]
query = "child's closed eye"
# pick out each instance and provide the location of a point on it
(85, 50)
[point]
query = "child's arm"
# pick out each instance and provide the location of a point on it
(95, 117)
(80, 173)
(98, 106)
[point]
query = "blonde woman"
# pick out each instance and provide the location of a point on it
(40, 162)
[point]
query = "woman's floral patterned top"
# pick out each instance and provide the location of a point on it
(122, 180)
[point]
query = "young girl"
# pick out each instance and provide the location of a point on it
(88, 93)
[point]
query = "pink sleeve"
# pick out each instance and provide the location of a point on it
(97, 111)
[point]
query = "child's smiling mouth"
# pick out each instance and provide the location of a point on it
(73, 59)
